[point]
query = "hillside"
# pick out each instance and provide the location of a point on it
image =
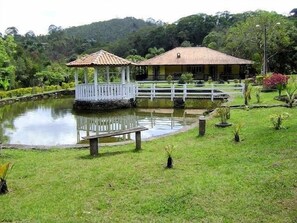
(108, 31)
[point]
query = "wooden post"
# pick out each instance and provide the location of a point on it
(94, 147)
(212, 92)
(138, 140)
(76, 77)
(128, 74)
(172, 92)
(77, 94)
(107, 75)
(202, 122)
(86, 75)
(123, 81)
(185, 92)
(96, 83)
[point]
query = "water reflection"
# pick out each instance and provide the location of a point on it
(53, 122)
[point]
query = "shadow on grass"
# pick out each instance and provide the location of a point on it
(108, 153)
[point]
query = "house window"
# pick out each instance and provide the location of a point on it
(195, 69)
(228, 69)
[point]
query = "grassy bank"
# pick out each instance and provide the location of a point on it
(214, 179)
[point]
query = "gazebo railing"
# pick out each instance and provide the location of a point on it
(90, 92)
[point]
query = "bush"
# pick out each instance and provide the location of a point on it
(186, 78)
(277, 81)
(277, 120)
(259, 79)
(169, 78)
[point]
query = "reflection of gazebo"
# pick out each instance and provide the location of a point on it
(96, 93)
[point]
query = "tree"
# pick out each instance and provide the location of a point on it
(54, 74)
(154, 51)
(195, 27)
(294, 12)
(186, 44)
(246, 38)
(7, 67)
(13, 31)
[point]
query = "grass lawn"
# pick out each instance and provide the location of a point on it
(266, 98)
(213, 179)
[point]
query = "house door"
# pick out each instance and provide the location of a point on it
(213, 72)
(156, 72)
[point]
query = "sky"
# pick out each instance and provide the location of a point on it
(38, 15)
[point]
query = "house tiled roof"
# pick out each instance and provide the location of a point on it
(193, 56)
(100, 58)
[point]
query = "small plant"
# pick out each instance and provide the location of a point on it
(169, 79)
(277, 120)
(259, 79)
(186, 78)
(3, 172)
(209, 80)
(247, 92)
(224, 114)
(4, 84)
(291, 89)
(258, 95)
(169, 149)
(236, 131)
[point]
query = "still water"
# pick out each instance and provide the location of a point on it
(53, 122)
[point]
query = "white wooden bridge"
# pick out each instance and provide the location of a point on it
(118, 91)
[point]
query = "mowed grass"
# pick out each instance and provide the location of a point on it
(213, 179)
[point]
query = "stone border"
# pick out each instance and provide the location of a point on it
(45, 95)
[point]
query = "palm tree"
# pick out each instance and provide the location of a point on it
(152, 52)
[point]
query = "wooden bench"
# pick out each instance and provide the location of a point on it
(94, 138)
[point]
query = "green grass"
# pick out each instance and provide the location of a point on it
(266, 98)
(213, 179)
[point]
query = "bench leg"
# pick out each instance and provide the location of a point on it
(94, 147)
(138, 140)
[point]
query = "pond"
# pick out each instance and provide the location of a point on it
(53, 122)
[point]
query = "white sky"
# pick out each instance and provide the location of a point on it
(38, 15)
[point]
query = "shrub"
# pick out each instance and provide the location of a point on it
(168, 150)
(277, 81)
(236, 131)
(182, 79)
(259, 79)
(247, 92)
(169, 78)
(224, 113)
(258, 94)
(3, 172)
(291, 89)
(277, 119)
(186, 78)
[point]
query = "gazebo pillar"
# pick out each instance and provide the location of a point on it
(128, 74)
(123, 81)
(107, 75)
(96, 82)
(75, 77)
(86, 75)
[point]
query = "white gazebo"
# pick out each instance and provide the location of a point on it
(107, 91)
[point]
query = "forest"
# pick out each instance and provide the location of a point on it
(29, 60)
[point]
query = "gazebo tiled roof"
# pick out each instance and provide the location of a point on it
(100, 58)
(193, 56)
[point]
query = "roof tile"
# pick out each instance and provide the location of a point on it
(100, 58)
(193, 56)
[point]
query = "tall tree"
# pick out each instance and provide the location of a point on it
(267, 31)
(7, 67)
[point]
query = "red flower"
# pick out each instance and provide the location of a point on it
(275, 80)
